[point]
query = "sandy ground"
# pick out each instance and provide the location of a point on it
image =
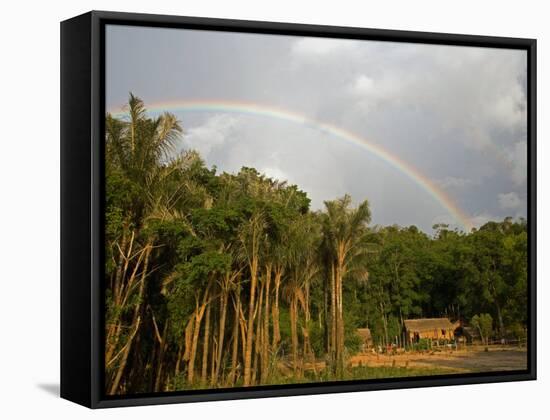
(471, 360)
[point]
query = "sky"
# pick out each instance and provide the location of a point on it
(427, 133)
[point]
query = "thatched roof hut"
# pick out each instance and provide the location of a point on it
(366, 337)
(431, 328)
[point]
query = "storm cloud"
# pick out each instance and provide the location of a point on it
(456, 114)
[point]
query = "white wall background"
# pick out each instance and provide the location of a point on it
(29, 207)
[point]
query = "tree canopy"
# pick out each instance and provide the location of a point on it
(231, 279)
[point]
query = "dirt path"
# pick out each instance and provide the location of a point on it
(497, 359)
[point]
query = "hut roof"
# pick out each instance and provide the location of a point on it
(364, 333)
(428, 324)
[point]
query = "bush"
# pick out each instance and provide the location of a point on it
(423, 344)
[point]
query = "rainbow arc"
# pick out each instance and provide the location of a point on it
(266, 111)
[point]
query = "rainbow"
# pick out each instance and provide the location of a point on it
(255, 109)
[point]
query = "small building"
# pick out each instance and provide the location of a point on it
(366, 338)
(429, 328)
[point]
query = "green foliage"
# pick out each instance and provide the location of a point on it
(204, 230)
(422, 345)
(352, 341)
(484, 324)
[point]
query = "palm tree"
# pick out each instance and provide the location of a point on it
(138, 155)
(344, 228)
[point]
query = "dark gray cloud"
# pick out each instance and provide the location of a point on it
(457, 114)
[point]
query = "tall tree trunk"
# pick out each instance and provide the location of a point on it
(160, 363)
(275, 310)
(259, 335)
(193, 350)
(198, 314)
(206, 341)
(179, 356)
(242, 323)
(235, 350)
(341, 346)
(497, 304)
(223, 314)
(307, 314)
(213, 358)
(265, 337)
(250, 322)
(307, 349)
(325, 321)
(333, 343)
(294, 334)
(340, 271)
(337, 344)
(500, 319)
(384, 323)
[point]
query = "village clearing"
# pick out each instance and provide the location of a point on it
(457, 361)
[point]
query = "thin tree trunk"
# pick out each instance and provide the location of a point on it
(341, 344)
(162, 349)
(294, 334)
(118, 273)
(325, 320)
(275, 314)
(250, 323)
(307, 349)
(223, 314)
(242, 324)
(121, 293)
(135, 323)
(265, 338)
(199, 312)
(188, 337)
(213, 358)
(112, 339)
(333, 316)
(178, 357)
(384, 323)
(307, 313)
(500, 320)
(193, 350)
(340, 317)
(235, 352)
(259, 335)
(206, 341)
(337, 345)
(126, 351)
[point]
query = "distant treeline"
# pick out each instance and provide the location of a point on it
(218, 280)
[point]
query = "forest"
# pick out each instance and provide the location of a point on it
(217, 280)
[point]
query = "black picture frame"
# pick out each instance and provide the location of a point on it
(82, 199)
